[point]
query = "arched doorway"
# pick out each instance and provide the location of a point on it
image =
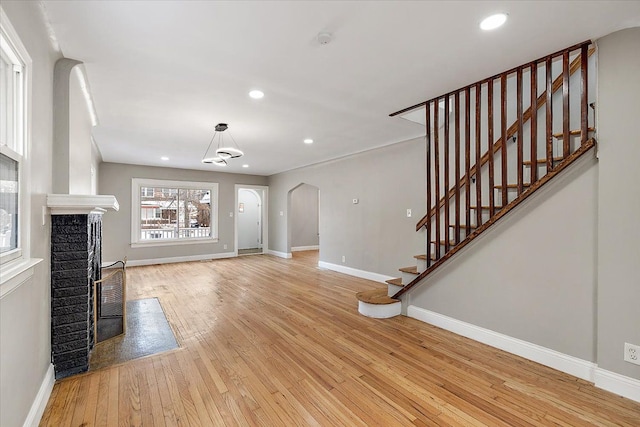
(303, 218)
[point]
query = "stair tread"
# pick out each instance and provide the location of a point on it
(443, 242)
(485, 207)
(395, 282)
(411, 270)
(376, 296)
(424, 257)
(542, 161)
(560, 135)
(524, 184)
(464, 226)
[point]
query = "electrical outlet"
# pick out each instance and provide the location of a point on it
(344, 259)
(224, 247)
(632, 353)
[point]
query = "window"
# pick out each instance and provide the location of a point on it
(13, 102)
(173, 212)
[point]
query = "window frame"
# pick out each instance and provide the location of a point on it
(138, 183)
(14, 50)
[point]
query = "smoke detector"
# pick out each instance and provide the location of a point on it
(324, 38)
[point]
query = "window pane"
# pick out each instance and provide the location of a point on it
(158, 214)
(195, 214)
(8, 204)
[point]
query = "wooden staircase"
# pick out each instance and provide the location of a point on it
(466, 199)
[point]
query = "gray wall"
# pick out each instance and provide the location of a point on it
(532, 275)
(374, 235)
(304, 216)
(116, 179)
(25, 350)
(619, 204)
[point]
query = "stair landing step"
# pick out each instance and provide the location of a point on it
(395, 282)
(411, 270)
(376, 296)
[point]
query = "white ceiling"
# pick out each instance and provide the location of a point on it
(163, 73)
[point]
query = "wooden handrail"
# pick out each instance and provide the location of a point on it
(511, 131)
(565, 163)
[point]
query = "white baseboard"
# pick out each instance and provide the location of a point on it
(545, 356)
(355, 272)
(305, 248)
(279, 254)
(618, 384)
(40, 402)
(203, 257)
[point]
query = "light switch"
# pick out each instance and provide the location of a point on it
(408, 213)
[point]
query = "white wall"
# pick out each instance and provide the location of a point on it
(80, 145)
(374, 235)
(96, 159)
(619, 204)
(25, 350)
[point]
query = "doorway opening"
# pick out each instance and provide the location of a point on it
(303, 219)
(251, 225)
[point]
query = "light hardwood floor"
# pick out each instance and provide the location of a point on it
(274, 342)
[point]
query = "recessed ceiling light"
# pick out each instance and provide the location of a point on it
(165, 158)
(308, 141)
(245, 166)
(494, 21)
(256, 94)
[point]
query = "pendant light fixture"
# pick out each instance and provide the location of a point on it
(225, 151)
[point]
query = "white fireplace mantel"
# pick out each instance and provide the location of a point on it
(79, 204)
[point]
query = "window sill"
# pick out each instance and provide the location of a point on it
(15, 273)
(177, 242)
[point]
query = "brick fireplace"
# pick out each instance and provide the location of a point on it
(76, 257)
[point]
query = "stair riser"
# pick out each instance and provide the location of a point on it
(421, 264)
(393, 289)
(463, 233)
(407, 277)
(442, 247)
(512, 194)
(379, 311)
